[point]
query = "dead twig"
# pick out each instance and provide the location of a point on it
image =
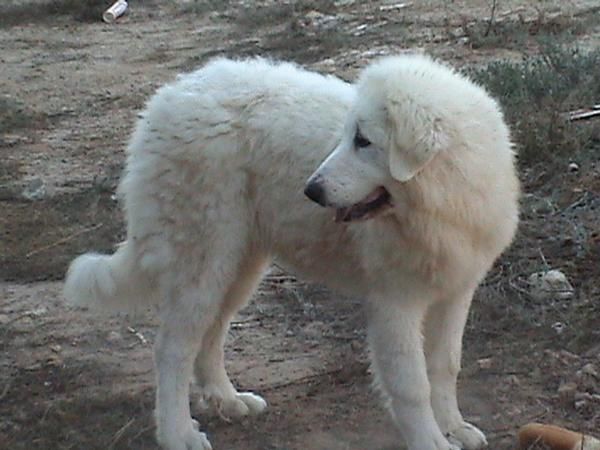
(63, 240)
(395, 6)
(119, 434)
(6, 389)
(139, 433)
(302, 380)
(138, 335)
(46, 411)
(511, 12)
(340, 337)
(544, 260)
(519, 289)
(581, 200)
(583, 114)
(491, 21)
(248, 323)
(279, 279)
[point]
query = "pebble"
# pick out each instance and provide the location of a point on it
(550, 284)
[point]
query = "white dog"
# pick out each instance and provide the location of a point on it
(213, 191)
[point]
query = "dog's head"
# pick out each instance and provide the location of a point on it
(392, 133)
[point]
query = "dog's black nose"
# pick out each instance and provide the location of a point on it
(315, 192)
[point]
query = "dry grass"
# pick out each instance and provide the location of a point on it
(510, 33)
(282, 30)
(270, 15)
(15, 115)
(31, 11)
(515, 32)
(202, 7)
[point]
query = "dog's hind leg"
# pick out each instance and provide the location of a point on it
(217, 391)
(443, 348)
(196, 293)
(184, 321)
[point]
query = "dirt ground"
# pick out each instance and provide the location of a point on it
(72, 380)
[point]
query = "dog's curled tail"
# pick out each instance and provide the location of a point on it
(108, 282)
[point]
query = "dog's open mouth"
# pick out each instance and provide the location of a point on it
(376, 202)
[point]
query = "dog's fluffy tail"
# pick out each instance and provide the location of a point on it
(108, 282)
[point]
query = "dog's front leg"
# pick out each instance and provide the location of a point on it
(394, 328)
(444, 328)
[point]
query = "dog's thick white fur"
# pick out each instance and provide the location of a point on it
(213, 191)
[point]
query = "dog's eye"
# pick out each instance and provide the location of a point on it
(360, 140)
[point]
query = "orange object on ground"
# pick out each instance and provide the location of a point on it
(554, 438)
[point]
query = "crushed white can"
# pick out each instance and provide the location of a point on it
(115, 11)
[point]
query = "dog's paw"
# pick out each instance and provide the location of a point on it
(233, 407)
(438, 444)
(468, 437)
(190, 439)
(196, 440)
(255, 403)
(431, 441)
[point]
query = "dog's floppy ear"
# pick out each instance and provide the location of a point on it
(416, 137)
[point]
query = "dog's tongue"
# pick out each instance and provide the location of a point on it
(359, 209)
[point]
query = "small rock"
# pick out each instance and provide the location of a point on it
(35, 190)
(564, 357)
(38, 312)
(550, 284)
(318, 19)
(34, 366)
(360, 29)
(9, 140)
(580, 404)
(590, 369)
(4, 319)
(314, 329)
(54, 361)
(567, 357)
(587, 397)
(538, 205)
(485, 363)
(23, 324)
(513, 380)
(55, 348)
(573, 167)
(328, 62)
(114, 336)
(314, 15)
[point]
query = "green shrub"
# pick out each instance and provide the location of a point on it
(536, 94)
